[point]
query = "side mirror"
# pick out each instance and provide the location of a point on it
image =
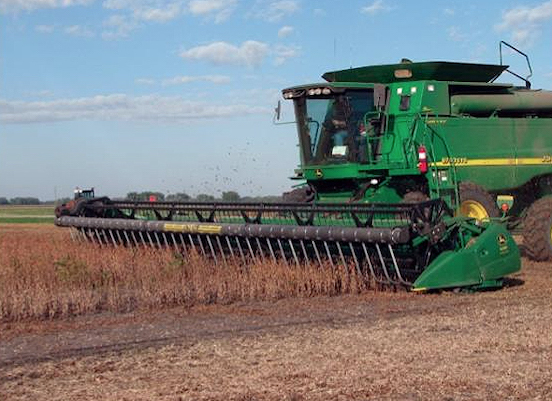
(278, 115)
(278, 111)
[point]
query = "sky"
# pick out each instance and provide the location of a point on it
(179, 95)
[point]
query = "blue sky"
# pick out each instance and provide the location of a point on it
(177, 95)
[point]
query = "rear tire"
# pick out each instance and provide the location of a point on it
(476, 202)
(537, 230)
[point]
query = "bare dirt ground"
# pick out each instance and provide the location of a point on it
(400, 346)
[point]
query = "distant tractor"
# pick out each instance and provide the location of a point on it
(84, 193)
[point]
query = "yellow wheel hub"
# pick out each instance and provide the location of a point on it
(474, 209)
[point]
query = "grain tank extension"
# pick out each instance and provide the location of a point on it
(388, 155)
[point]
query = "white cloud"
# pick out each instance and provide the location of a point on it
(144, 81)
(45, 28)
(285, 31)
(524, 22)
(219, 10)
(14, 6)
(250, 53)
(374, 8)
(319, 12)
(118, 26)
(118, 4)
(120, 107)
(158, 14)
(449, 11)
(456, 34)
(274, 11)
(283, 53)
(79, 30)
(185, 79)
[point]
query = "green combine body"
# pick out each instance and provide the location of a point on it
(415, 131)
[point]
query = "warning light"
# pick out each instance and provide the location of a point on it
(153, 198)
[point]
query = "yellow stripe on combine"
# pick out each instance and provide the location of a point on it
(192, 228)
(463, 161)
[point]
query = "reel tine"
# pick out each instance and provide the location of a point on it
(250, 249)
(229, 246)
(165, 239)
(149, 238)
(384, 267)
(357, 265)
(112, 238)
(399, 276)
(316, 252)
(98, 237)
(370, 266)
(201, 245)
(192, 242)
(121, 242)
(271, 250)
(183, 242)
(157, 239)
(305, 255)
(241, 249)
(260, 248)
(125, 233)
(329, 254)
(293, 252)
(221, 250)
(345, 266)
(212, 249)
(282, 251)
(174, 242)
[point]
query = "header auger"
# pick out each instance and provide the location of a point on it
(408, 175)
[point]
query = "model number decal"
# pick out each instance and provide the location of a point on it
(546, 159)
(454, 160)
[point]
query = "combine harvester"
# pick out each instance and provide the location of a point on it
(388, 154)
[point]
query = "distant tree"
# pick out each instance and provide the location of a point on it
(132, 196)
(205, 198)
(25, 201)
(4, 201)
(145, 196)
(230, 196)
(178, 197)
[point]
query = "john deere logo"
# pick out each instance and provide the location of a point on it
(319, 173)
(502, 244)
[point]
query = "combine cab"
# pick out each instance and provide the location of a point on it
(405, 169)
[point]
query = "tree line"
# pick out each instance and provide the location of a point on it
(227, 196)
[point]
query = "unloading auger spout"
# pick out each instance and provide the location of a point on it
(420, 246)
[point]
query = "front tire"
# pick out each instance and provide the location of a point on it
(537, 230)
(476, 202)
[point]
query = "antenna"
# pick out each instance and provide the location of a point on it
(526, 79)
